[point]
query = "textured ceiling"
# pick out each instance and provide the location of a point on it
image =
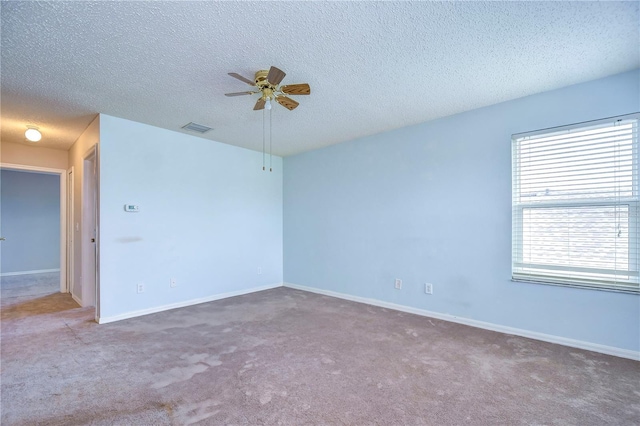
(372, 66)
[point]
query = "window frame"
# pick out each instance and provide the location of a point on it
(518, 208)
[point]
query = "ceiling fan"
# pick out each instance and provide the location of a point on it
(267, 83)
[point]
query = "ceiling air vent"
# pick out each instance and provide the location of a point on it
(199, 128)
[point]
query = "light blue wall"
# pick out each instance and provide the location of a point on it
(30, 221)
(432, 203)
(209, 217)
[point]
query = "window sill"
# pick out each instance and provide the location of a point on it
(579, 285)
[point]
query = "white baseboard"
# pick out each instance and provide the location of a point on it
(608, 350)
(36, 271)
(127, 315)
(77, 299)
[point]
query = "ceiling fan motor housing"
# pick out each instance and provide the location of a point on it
(261, 76)
(264, 86)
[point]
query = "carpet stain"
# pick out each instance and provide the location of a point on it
(483, 365)
(188, 414)
(198, 363)
(412, 332)
(536, 378)
(265, 398)
(168, 408)
(178, 374)
(230, 350)
(213, 361)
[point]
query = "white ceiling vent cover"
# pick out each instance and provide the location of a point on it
(199, 128)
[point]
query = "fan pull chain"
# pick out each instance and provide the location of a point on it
(270, 139)
(263, 145)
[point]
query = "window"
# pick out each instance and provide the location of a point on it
(575, 205)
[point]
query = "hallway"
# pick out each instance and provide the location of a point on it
(28, 286)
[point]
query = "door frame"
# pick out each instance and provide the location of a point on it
(71, 175)
(62, 173)
(91, 155)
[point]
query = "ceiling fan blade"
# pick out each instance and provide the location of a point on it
(296, 89)
(241, 78)
(239, 93)
(275, 76)
(259, 104)
(288, 103)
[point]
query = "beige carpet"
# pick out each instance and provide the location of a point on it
(288, 357)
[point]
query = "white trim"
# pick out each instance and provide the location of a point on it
(70, 176)
(62, 173)
(97, 183)
(580, 344)
(63, 232)
(77, 299)
(31, 168)
(133, 314)
(89, 214)
(631, 116)
(35, 271)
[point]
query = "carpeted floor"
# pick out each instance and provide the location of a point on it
(288, 357)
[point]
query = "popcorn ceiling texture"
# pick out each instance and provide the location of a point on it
(372, 66)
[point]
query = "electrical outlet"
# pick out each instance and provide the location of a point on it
(428, 288)
(259, 270)
(140, 288)
(173, 283)
(398, 284)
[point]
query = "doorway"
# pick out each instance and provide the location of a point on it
(62, 179)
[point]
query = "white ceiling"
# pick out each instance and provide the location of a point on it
(372, 66)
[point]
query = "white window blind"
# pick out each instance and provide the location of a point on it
(575, 205)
